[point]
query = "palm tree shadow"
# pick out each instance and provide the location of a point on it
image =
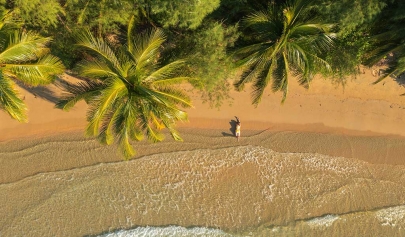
(232, 129)
(400, 80)
(43, 92)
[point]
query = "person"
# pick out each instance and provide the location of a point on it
(237, 130)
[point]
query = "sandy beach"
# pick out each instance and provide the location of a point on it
(328, 152)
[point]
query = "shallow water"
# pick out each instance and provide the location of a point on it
(236, 191)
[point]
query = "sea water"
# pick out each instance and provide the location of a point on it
(234, 191)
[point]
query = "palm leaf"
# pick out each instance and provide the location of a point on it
(153, 135)
(96, 69)
(176, 96)
(98, 46)
(248, 76)
(24, 46)
(170, 81)
(131, 27)
(106, 135)
(10, 101)
(173, 132)
(7, 21)
(103, 102)
(77, 92)
(261, 83)
(123, 141)
(165, 72)
(41, 72)
(146, 48)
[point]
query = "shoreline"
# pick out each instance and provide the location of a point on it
(319, 120)
(294, 162)
(72, 150)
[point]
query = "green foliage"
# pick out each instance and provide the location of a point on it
(128, 91)
(39, 14)
(388, 40)
(100, 15)
(25, 57)
(182, 13)
(345, 57)
(289, 40)
(208, 60)
(351, 15)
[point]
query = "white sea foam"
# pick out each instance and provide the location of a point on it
(168, 231)
(391, 216)
(324, 221)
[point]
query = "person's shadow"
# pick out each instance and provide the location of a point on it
(232, 129)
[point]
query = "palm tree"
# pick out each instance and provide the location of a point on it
(388, 38)
(290, 40)
(129, 93)
(24, 57)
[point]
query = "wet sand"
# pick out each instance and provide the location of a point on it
(327, 161)
(248, 190)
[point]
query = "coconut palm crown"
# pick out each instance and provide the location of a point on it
(24, 57)
(289, 41)
(128, 91)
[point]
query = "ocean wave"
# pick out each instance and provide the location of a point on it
(236, 189)
(391, 216)
(177, 231)
(324, 221)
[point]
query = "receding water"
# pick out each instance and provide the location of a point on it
(234, 191)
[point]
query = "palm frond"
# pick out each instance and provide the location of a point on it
(100, 106)
(125, 147)
(153, 135)
(381, 52)
(261, 83)
(97, 69)
(77, 92)
(10, 101)
(41, 72)
(299, 10)
(310, 29)
(146, 48)
(106, 135)
(248, 76)
(7, 21)
(319, 62)
(257, 18)
(175, 96)
(248, 54)
(98, 46)
(284, 86)
(170, 114)
(173, 132)
(280, 76)
(394, 70)
(131, 27)
(125, 128)
(165, 72)
(301, 63)
(23, 47)
(171, 81)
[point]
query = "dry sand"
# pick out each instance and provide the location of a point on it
(359, 109)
